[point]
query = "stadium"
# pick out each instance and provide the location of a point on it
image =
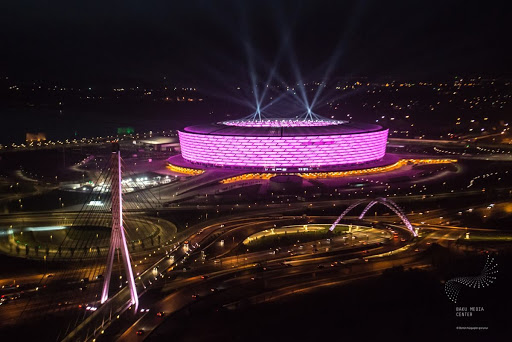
(283, 144)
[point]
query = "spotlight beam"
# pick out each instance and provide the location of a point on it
(298, 77)
(330, 67)
(252, 76)
(226, 82)
(286, 94)
(334, 59)
(285, 39)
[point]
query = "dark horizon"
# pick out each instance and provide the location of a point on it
(200, 43)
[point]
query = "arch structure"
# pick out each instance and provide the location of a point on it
(380, 200)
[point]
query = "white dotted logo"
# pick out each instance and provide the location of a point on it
(453, 286)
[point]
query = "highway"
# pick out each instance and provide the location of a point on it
(233, 229)
(276, 281)
(281, 271)
(288, 274)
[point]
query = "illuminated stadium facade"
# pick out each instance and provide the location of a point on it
(283, 144)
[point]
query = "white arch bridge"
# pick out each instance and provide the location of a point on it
(380, 200)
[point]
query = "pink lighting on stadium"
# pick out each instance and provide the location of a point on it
(313, 150)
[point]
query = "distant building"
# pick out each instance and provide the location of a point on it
(170, 144)
(30, 137)
(125, 130)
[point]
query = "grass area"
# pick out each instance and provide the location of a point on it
(79, 233)
(25, 238)
(290, 235)
(16, 188)
(488, 237)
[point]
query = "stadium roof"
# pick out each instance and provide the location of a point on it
(345, 128)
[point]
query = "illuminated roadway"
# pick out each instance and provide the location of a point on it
(359, 263)
(234, 224)
(298, 275)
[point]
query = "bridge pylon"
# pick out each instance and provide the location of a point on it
(118, 237)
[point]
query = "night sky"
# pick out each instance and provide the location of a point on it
(201, 41)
